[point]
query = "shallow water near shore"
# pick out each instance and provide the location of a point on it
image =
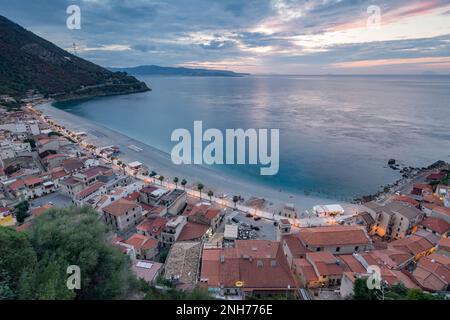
(336, 133)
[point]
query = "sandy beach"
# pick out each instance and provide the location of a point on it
(160, 162)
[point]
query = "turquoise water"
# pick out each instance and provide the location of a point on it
(336, 133)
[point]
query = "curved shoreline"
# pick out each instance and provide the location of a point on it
(161, 162)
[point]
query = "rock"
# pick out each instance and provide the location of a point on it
(392, 162)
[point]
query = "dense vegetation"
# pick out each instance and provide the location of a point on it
(28, 62)
(33, 265)
(395, 292)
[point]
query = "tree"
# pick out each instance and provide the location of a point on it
(362, 292)
(32, 143)
(153, 174)
(235, 200)
(17, 261)
(184, 183)
(210, 195)
(200, 187)
(176, 180)
(161, 179)
(21, 211)
(74, 236)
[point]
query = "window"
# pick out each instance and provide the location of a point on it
(356, 248)
(338, 249)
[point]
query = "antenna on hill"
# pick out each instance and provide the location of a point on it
(75, 49)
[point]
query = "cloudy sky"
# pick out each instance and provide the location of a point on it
(257, 36)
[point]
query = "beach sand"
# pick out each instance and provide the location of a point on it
(161, 163)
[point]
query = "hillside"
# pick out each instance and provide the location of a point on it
(29, 62)
(177, 71)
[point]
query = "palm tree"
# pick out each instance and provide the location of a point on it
(210, 194)
(161, 179)
(184, 183)
(235, 200)
(200, 188)
(176, 180)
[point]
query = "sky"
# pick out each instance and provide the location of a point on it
(255, 36)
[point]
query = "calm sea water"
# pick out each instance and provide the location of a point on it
(336, 133)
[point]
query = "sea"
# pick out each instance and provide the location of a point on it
(337, 133)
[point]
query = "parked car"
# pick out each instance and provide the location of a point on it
(257, 218)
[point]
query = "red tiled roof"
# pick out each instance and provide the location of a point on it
(90, 190)
(407, 199)
(16, 185)
(352, 264)
(149, 189)
(133, 197)
(154, 226)
(24, 227)
(71, 165)
(32, 181)
(2, 172)
(325, 263)
(444, 244)
(120, 207)
(334, 235)
(442, 210)
(41, 210)
(295, 245)
(249, 262)
(436, 176)
(306, 269)
(433, 272)
(435, 224)
(192, 231)
(138, 242)
(412, 244)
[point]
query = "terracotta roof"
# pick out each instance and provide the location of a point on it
(149, 189)
(154, 226)
(436, 176)
(192, 231)
(334, 235)
(58, 174)
(41, 210)
(352, 264)
(24, 227)
(2, 172)
(412, 244)
(141, 242)
(32, 181)
(54, 156)
(90, 190)
(325, 263)
(407, 199)
(120, 207)
(295, 245)
(435, 224)
(16, 185)
(94, 171)
(444, 244)
(433, 272)
(430, 198)
(71, 165)
(306, 269)
(132, 197)
(249, 262)
(442, 210)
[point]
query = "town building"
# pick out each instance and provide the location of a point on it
(250, 268)
(395, 220)
(122, 214)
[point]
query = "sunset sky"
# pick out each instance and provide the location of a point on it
(256, 36)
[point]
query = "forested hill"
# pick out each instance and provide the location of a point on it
(29, 62)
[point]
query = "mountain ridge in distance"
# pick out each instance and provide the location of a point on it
(29, 62)
(153, 70)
